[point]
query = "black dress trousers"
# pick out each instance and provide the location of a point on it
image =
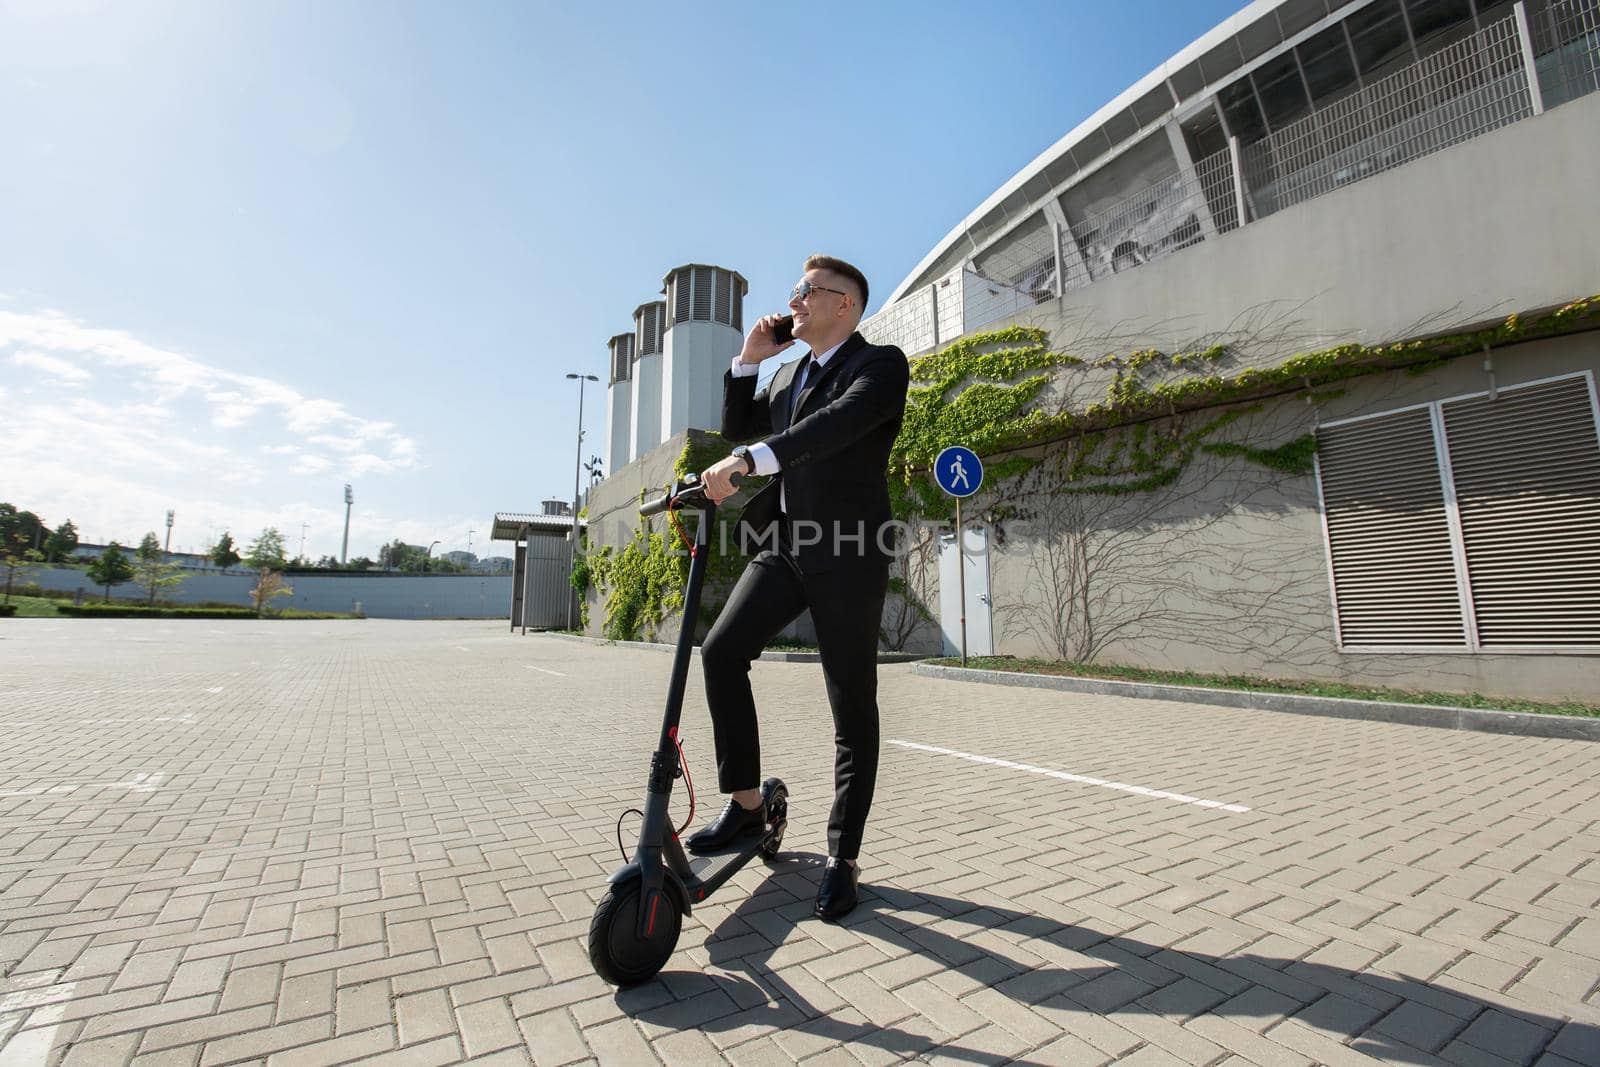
(846, 605)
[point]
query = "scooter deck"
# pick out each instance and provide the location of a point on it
(713, 868)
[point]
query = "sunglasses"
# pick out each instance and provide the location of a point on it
(805, 289)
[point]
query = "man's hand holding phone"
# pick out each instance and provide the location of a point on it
(771, 335)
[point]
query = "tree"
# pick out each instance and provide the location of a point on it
(360, 563)
(112, 568)
(61, 543)
(223, 554)
(15, 555)
(151, 568)
(399, 556)
(269, 586)
(26, 523)
(913, 575)
(266, 551)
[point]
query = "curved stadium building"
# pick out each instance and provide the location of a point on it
(1313, 302)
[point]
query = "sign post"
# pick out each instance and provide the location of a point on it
(959, 472)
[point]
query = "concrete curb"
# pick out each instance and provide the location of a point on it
(1570, 727)
(770, 657)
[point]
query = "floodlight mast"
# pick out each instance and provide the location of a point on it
(344, 549)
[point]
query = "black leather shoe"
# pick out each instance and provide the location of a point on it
(837, 894)
(733, 823)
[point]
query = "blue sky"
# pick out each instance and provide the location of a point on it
(250, 252)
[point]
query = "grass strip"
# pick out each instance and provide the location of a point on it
(1252, 684)
(33, 607)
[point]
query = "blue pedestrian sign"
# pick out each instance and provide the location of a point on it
(958, 471)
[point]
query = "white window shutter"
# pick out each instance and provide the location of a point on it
(1388, 534)
(1526, 469)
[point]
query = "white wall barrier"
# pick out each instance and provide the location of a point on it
(381, 596)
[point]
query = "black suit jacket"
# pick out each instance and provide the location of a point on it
(833, 452)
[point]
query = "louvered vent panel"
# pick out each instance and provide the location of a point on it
(702, 293)
(737, 322)
(680, 297)
(1393, 573)
(1527, 475)
(723, 310)
(655, 321)
(622, 357)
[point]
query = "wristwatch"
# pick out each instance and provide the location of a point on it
(743, 453)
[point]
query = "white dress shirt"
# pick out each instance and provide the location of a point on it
(765, 461)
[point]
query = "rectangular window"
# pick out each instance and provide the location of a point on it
(1470, 524)
(1243, 114)
(1281, 91)
(1330, 72)
(1378, 35)
(1448, 20)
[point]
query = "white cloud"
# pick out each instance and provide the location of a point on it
(53, 367)
(235, 399)
(111, 431)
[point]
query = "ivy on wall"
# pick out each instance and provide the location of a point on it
(986, 392)
(644, 583)
(998, 417)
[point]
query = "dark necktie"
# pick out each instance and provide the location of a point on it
(807, 367)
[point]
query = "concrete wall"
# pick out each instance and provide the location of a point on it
(442, 596)
(696, 357)
(1227, 570)
(1498, 224)
(644, 431)
(619, 423)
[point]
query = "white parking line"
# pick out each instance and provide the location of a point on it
(1144, 791)
(546, 670)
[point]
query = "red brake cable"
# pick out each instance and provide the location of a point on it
(683, 761)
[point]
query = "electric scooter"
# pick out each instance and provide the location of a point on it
(635, 927)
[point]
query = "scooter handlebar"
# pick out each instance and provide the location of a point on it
(681, 492)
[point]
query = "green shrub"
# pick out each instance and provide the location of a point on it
(7, 609)
(133, 611)
(104, 610)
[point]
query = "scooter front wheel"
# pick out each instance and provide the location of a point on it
(617, 952)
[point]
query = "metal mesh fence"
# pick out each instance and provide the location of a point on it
(1566, 44)
(907, 323)
(1171, 213)
(1460, 92)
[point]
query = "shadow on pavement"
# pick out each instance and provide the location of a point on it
(1392, 1018)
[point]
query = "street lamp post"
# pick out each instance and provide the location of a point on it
(426, 557)
(577, 475)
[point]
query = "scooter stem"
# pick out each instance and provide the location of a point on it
(691, 614)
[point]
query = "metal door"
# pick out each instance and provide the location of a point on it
(980, 627)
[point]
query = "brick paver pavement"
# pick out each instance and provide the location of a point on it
(308, 843)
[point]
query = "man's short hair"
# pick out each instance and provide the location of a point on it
(839, 266)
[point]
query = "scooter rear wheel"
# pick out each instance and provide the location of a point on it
(776, 797)
(615, 948)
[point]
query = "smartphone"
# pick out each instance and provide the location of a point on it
(783, 330)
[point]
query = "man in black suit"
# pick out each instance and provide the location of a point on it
(826, 427)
